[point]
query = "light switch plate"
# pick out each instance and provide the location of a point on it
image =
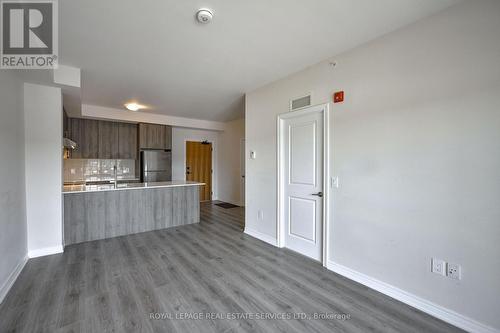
(253, 155)
(334, 182)
(438, 266)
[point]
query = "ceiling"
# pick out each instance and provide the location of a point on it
(154, 51)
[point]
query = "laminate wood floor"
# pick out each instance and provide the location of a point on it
(118, 284)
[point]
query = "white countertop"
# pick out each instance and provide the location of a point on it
(131, 186)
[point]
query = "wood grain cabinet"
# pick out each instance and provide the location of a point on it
(103, 139)
(127, 141)
(153, 136)
(168, 137)
(108, 140)
(85, 132)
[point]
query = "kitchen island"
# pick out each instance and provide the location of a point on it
(93, 212)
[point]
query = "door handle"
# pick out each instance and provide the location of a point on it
(319, 194)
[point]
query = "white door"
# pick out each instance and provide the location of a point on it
(242, 172)
(303, 183)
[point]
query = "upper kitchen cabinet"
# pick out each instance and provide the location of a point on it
(127, 141)
(103, 139)
(85, 132)
(153, 136)
(108, 140)
(168, 137)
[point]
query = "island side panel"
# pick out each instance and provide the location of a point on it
(112, 207)
(179, 206)
(168, 220)
(75, 226)
(193, 204)
(95, 215)
(99, 215)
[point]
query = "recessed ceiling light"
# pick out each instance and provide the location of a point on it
(134, 106)
(204, 15)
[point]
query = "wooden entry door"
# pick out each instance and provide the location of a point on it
(199, 166)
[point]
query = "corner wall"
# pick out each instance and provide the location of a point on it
(416, 147)
(13, 232)
(230, 182)
(43, 170)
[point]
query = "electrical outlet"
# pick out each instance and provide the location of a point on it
(438, 266)
(260, 215)
(453, 271)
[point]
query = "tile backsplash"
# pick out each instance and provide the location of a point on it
(80, 170)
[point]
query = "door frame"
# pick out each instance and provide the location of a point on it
(280, 234)
(214, 163)
(243, 188)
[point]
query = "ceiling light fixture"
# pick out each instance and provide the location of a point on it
(204, 15)
(134, 106)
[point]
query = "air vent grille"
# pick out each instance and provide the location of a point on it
(300, 102)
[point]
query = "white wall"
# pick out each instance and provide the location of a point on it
(229, 162)
(416, 146)
(43, 156)
(179, 138)
(13, 242)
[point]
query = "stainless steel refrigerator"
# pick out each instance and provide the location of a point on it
(156, 166)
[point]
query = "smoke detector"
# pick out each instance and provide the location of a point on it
(204, 15)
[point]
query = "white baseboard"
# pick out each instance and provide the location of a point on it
(4, 289)
(263, 237)
(434, 310)
(47, 251)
